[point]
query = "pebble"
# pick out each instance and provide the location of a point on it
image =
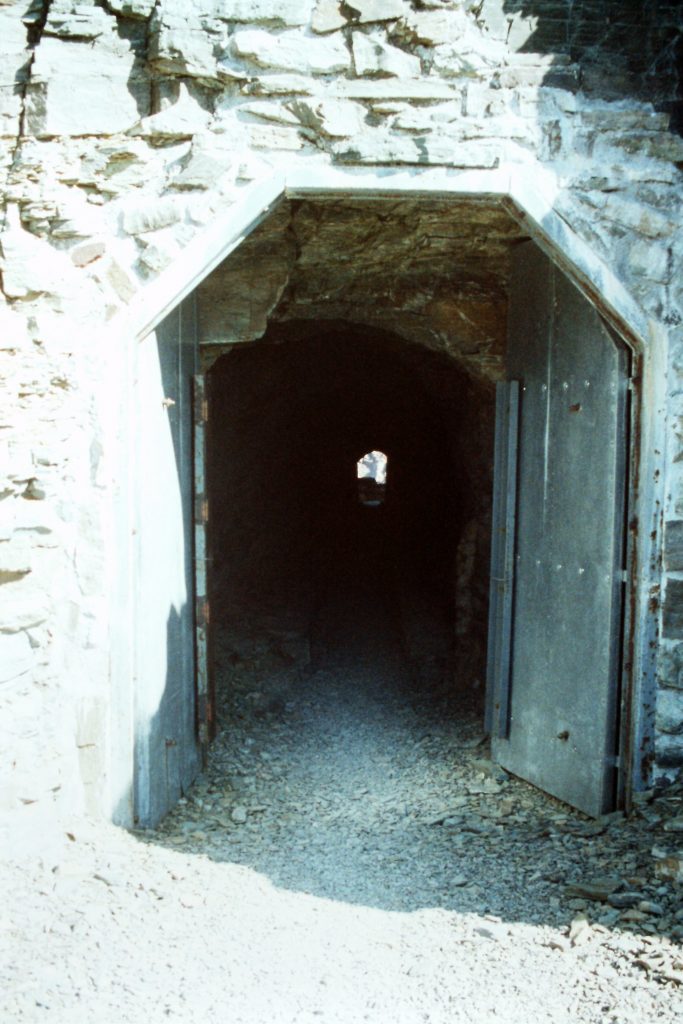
(623, 900)
(648, 907)
(364, 801)
(599, 889)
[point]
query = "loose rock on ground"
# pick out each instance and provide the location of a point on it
(351, 854)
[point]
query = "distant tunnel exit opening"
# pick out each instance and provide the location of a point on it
(371, 472)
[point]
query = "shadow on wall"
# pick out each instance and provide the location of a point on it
(622, 47)
(167, 757)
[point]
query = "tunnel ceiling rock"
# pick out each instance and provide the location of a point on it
(432, 272)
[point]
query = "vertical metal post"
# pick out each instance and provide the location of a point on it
(205, 708)
(497, 713)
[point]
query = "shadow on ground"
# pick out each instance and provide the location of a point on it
(355, 780)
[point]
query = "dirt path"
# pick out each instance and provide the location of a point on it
(349, 856)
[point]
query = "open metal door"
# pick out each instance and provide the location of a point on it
(554, 689)
(204, 695)
(166, 751)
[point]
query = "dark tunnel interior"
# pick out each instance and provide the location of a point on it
(289, 418)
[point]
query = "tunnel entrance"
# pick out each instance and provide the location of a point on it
(290, 539)
(494, 552)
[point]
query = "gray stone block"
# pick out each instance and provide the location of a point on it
(669, 751)
(673, 545)
(669, 715)
(672, 622)
(670, 667)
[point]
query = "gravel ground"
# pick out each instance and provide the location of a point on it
(350, 855)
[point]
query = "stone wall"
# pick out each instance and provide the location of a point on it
(620, 48)
(127, 126)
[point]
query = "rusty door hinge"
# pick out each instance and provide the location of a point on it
(203, 611)
(201, 509)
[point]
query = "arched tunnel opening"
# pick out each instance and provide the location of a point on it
(295, 554)
(465, 355)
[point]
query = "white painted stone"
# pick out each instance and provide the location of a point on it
(367, 11)
(283, 12)
(432, 27)
(182, 47)
(207, 167)
(521, 30)
(650, 260)
(451, 61)
(78, 223)
(253, 167)
(268, 111)
(394, 88)
(180, 120)
(482, 101)
(372, 55)
(30, 266)
(327, 16)
(642, 218)
(416, 150)
(15, 558)
(14, 58)
(65, 72)
(428, 118)
(336, 118)
(10, 109)
(23, 603)
(80, 21)
(87, 252)
(18, 516)
(14, 333)
(116, 276)
(280, 85)
(669, 714)
(132, 8)
(150, 215)
(292, 51)
(667, 750)
(16, 655)
(160, 253)
(276, 137)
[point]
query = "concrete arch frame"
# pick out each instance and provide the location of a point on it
(529, 196)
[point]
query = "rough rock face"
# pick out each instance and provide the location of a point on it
(431, 272)
(126, 127)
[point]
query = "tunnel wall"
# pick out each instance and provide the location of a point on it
(126, 127)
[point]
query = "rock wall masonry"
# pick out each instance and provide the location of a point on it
(126, 125)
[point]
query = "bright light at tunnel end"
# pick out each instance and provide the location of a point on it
(373, 465)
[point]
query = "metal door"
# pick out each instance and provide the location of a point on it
(554, 701)
(205, 693)
(166, 751)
